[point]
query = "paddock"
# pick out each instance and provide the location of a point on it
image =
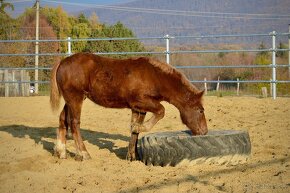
(27, 135)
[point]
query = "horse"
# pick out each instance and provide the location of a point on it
(139, 84)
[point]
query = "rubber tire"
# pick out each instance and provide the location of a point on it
(177, 147)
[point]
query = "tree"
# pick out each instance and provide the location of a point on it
(94, 21)
(46, 31)
(58, 19)
(56, 24)
(282, 54)
(263, 57)
(117, 30)
(79, 31)
(5, 5)
(60, 22)
(7, 29)
(83, 19)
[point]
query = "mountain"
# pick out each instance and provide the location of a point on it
(187, 17)
(195, 17)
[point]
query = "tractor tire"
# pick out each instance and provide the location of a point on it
(180, 147)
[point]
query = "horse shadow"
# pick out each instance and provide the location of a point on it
(40, 135)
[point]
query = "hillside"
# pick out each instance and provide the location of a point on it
(186, 17)
(199, 17)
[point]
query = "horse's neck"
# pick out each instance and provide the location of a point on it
(178, 94)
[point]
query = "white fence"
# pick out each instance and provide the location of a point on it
(273, 80)
(19, 83)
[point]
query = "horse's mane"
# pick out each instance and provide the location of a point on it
(166, 68)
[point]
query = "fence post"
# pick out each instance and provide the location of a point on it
(205, 86)
(167, 49)
(271, 87)
(289, 52)
(14, 86)
(6, 84)
(264, 92)
(27, 87)
(218, 84)
(36, 47)
(274, 64)
(69, 46)
(238, 86)
(22, 79)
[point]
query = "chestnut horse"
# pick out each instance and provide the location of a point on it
(139, 84)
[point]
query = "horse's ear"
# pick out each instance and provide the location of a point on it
(200, 94)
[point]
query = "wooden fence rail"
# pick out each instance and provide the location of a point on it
(14, 89)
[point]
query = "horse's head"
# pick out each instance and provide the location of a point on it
(193, 116)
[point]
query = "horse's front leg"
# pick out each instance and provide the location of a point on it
(158, 113)
(138, 126)
(137, 119)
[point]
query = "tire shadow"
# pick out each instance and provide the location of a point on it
(39, 135)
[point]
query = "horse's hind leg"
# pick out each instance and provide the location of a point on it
(59, 148)
(137, 119)
(75, 106)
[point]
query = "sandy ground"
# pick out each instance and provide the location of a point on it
(27, 135)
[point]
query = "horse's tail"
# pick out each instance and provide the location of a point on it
(54, 90)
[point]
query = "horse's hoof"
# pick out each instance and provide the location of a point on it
(60, 150)
(61, 155)
(86, 155)
(131, 157)
(55, 154)
(78, 157)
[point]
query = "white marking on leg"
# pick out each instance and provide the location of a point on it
(59, 148)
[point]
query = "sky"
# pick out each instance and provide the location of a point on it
(77, 1)
(98, 1)
(20, 5)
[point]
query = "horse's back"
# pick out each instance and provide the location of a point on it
(116, 83)
(109, 82)
(74, 71)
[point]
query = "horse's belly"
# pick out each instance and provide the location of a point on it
(107, 90)
(110, 101)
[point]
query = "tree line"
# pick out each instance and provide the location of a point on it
(55, 23)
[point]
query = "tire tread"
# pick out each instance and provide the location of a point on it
(225, 148)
